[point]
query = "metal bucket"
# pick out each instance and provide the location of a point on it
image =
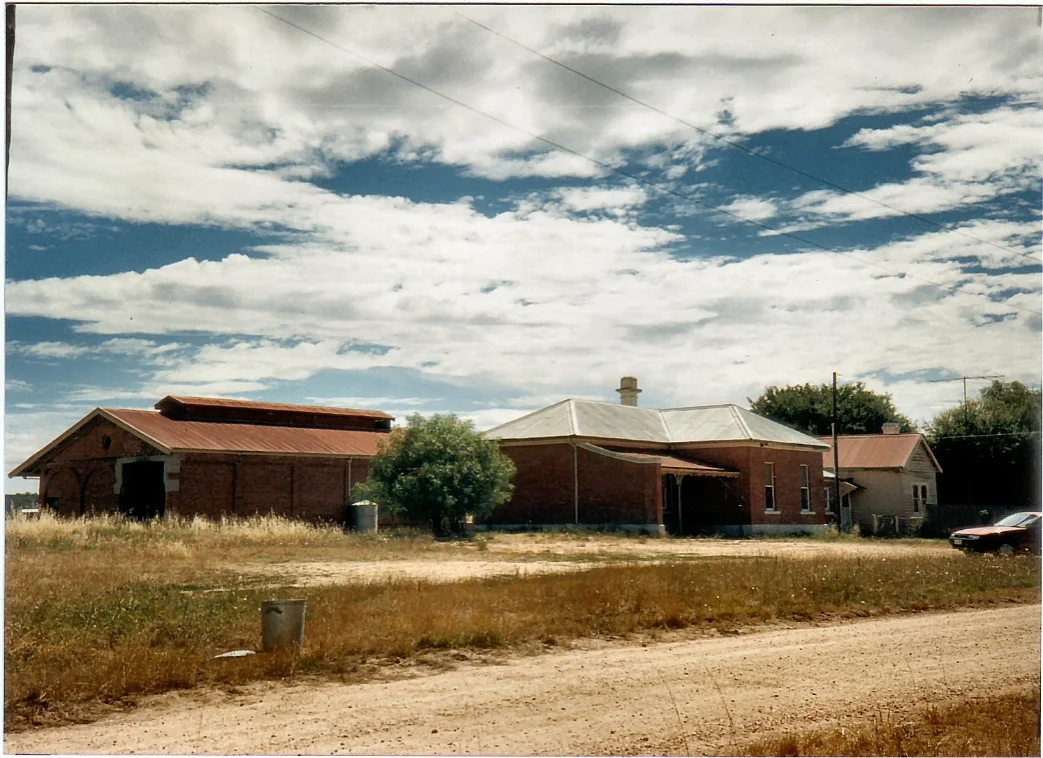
(282, 624)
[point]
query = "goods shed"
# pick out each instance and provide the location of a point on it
(209, 457)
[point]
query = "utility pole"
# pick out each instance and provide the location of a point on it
(965, 378)
(836, 458)
(7, 113)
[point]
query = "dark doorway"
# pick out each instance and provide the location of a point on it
(143, 495)
(703, 502)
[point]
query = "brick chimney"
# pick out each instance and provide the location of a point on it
(892, 428)
(628, 390)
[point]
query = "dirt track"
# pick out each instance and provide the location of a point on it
(713, 694)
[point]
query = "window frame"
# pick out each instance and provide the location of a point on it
(916, 498)
(771, 504)
(828, 491)
(805, 488)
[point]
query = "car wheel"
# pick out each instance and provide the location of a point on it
(1006, 550)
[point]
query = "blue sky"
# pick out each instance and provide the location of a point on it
(206, 200)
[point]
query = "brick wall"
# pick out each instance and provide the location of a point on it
(749, 490)
(611, 491)
(787, 486)
(205, 488)
(313, 489)
(81, 473)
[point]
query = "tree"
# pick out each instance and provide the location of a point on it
(809, 408)
(439, 470)
(989, 448)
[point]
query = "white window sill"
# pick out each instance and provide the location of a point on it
(772, 510)
(807, 513)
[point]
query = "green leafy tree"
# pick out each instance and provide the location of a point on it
(809, 408)
(989, 448)
(439, 470)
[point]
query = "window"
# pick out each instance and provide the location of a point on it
(916, 498)
(923, 495)
(805, 488)
(829, 499)
(769, 486)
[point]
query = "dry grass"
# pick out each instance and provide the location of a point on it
(998, 725)
(102, 610)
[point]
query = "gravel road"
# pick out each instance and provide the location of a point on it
(708, 695)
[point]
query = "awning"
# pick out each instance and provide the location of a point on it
(668, 464)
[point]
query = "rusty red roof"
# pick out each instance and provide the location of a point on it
(888, 451)
(255, 405)
(176, 436)
(225, 437)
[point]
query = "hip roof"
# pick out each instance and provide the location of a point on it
(609, 421)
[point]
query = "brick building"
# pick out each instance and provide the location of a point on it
(716, 469)
(210, 457)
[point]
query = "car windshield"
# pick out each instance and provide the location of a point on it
(1018, 519)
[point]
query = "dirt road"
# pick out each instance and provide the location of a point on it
(695, 696)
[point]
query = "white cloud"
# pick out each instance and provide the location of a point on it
(603, 301)
(752, 208)
(372, 402)
(602, 198)
(48, 350)
(277, 97)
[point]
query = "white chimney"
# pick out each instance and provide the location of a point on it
(892, 428)
(628, 390)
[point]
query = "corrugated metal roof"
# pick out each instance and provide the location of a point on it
(597, 420)
(255, 405)
(890, 451)
(221, 437)
(171, 436)
(611, 421)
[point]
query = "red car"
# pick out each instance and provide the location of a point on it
(1018, 532)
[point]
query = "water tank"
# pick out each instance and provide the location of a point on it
(365, 516)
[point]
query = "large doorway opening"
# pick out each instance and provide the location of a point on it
(697, 504)
(143, 495)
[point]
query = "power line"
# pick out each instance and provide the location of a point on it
(740, 146)
(976, 436)
(631, 177)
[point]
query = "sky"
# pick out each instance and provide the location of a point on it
(417, 210)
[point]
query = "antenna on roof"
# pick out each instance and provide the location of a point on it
(965, 378)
